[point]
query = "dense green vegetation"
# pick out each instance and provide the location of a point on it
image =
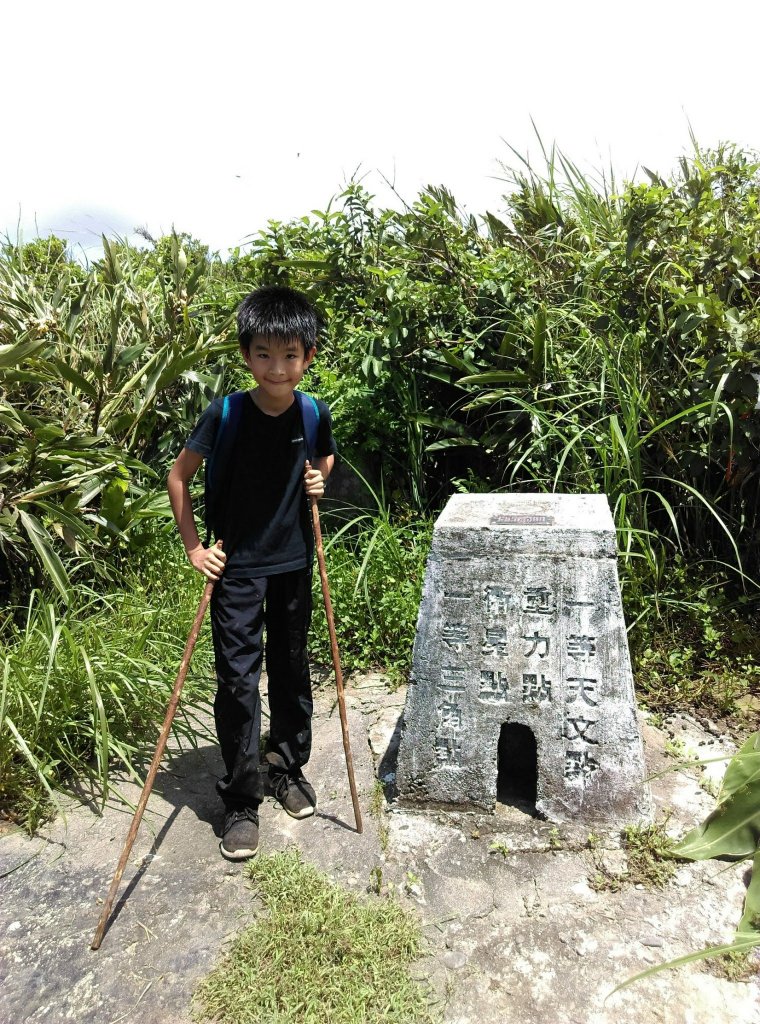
(586, 338)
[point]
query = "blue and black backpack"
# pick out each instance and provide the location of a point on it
(217, 464)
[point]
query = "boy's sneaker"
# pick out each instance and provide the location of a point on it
(240, 836)
(290, 788)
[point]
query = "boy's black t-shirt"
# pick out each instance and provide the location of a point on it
(264, 518)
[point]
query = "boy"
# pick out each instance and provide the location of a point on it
(263, 573)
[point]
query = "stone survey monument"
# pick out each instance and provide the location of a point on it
(521, 666)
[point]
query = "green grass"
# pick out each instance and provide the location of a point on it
(734, 966)
(316, 955)
(699, 649)
(649, 862)
(649, 850)
(85, 686)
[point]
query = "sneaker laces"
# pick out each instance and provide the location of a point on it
(282, 783)
(239, 814)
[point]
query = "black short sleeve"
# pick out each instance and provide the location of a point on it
(325, 441)
(202, 438)
(258, 503)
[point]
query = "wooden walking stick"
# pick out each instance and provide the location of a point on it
(336, 661)
(160, 747)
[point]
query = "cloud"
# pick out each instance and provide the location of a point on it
(80, 224)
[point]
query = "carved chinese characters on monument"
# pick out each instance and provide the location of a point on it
(521, 626)
(455, 636)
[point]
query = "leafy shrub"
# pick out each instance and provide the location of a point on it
(98, 378)
(697, 647)
(593, 339)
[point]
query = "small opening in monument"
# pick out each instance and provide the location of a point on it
(518, 768)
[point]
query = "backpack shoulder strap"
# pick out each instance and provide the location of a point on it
(216, 463)
(232, 407)
(310, 417)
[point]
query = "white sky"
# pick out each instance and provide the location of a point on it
(216, 117)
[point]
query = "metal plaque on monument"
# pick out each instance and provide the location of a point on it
(521, 637)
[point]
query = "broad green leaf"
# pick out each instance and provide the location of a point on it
(439, 423)
(75, 310)
(11, 420)
(743, 768)
(13, 355)
(112, 500)
(69, 519)
(64, 485)
(20, 376)
(750, 922)
(29, 420)
(129, 354)
(80, 382)
(111, 261)
(496, 377)
(40, 538)
(50, 432)
(113, 334)
(442, 373)
(456, 361)
(732, 830)
(453, 442)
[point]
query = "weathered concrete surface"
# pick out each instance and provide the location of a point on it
(521, 661)
(515, 933)
(179, 899)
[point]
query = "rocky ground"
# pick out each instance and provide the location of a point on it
(517, 928)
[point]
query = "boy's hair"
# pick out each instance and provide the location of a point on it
(277, 312)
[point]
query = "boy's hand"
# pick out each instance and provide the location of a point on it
(313, 481)
(208, 561)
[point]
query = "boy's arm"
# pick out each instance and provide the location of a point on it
(314, 477)
(208, 561)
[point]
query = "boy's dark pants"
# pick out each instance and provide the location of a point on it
(240, 610)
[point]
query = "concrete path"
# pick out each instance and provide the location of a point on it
(515, 932)
(179, 899)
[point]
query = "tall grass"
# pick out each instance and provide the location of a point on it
(375, 563)
(600, 430)
(85, 687)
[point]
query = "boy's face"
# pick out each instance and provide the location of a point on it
(277, 366)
